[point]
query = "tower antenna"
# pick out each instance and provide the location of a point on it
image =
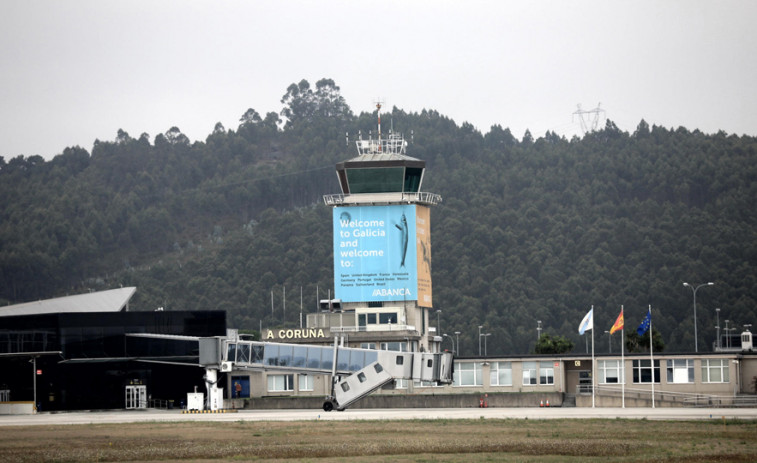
(379, 102)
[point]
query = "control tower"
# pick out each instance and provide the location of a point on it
(382, 248)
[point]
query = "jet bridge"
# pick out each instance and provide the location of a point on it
(354, 372)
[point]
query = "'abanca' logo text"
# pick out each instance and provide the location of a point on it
(392, 292)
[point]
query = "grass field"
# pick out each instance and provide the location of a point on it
(387, 441)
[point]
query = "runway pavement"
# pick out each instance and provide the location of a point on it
(151, 415)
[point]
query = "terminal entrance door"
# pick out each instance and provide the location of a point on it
(578, 376)
(243, 391)
(584, 382)
(136, 397)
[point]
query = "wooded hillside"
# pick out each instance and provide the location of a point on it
(533, 229)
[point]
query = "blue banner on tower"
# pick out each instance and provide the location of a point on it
(375, 256)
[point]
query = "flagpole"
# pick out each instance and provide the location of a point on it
(651, 355)
(622, 359)
(593, 382)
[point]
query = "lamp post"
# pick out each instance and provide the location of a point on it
(586, 338)
(438, 321)
(457, 339)
(717, 328)
(445, 335)
(694, 290)
(729, 334)
(485, 335)
(609, 339)
(33, 361)
(479, 339)
(538, 329)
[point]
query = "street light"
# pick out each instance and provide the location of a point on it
(33, 361)
(445, 335)
(728, 336)
(485, 335)
(538, 329)
(609, 339)
(479, 339)
(438, 321)
(457, 338)
(694, 289)
(717, 327)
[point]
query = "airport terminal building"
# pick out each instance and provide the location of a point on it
(722, 378)
(89, 351)
(384, 300)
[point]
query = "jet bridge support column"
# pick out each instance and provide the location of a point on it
(330, 403)
(214, 400)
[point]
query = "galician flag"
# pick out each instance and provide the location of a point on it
(587, 323)
(618, 323)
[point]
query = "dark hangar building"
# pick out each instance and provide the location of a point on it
(89, 351)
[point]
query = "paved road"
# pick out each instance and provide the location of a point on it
(121, 416)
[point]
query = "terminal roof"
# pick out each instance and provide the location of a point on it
(113, 300)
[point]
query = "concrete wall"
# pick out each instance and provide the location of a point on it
(17, 408)
(507, 400)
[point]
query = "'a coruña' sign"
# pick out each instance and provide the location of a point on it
(294, 334)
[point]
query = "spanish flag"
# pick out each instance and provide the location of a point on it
(618, 323)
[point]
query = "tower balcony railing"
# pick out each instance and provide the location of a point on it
(395, 144)
(374, 329)
(421, 197)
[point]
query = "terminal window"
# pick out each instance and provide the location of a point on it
(501, 374)
(388, 318)
(530, 377)
(394, 346)
(546, 373)
(305, 382)
(609, 371)
(468, 374)
(715, 371)
(642, 371)
(680, 370)
(280, 383)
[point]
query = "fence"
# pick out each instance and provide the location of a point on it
(682, 398)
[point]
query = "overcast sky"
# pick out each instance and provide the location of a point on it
(75, 71)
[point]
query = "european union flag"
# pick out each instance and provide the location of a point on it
(644, 327)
